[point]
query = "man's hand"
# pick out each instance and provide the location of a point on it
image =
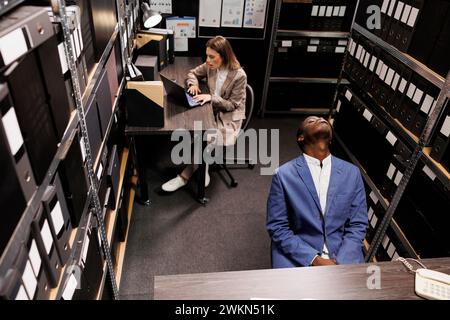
(194, 90)
(202, 98)
(319, 261)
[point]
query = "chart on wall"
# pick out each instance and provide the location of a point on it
(161, 6)
(233, 18)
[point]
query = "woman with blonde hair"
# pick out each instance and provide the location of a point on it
(227, 83)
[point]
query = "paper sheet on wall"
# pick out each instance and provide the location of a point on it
(181, 44)
(162, 6)
(209, 13)
(182, 27)
(255, 13)
(232, 12)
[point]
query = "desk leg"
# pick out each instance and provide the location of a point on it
(201, 178)
(142, 172)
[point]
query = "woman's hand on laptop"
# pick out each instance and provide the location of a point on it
(202, 98)
(194, 90)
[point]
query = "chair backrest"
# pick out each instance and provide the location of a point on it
(249, 102)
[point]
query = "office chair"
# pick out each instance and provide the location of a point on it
(249, 103)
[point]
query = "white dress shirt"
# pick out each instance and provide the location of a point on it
(221, 77)
(320, 173)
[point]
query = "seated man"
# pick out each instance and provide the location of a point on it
(316, 211)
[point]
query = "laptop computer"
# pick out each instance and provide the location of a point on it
(178, 92)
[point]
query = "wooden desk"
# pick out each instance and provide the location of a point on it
(328, 282)
(176, 116)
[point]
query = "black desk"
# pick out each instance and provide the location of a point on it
(328, 282)
(176, 116)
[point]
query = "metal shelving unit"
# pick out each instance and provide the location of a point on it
(20, 232)
(275, 35)
(418, 144)
(409, 61)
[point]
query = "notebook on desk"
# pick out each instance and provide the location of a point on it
(178, 92)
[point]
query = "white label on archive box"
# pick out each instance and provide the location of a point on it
(418, 96)
(314, 11)
(391, 138)
(406, 13)
(373, 197)
(374, 221)
(12, 130)
(348, 95)
(46, 235)
(338, 107)
(391, 171)
(429, 173)
(426, 104)
(445, 129)
(57, 217)
(413, 17)
(402, 86)
(398, 178)
(286, 43)
(368, 115)
(12, 46)
(35, 258)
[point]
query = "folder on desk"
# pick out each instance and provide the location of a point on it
(144, 102)
(153, 45)
(35, 258)
(74, 181)
(59, 218)
(170, 41)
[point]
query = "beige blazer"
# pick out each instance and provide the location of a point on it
(229, 108)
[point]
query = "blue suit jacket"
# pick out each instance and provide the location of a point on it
(295, 222)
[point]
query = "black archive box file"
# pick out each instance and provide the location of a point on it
(29, 97)
(393, 176)
(54, 81)
(35, 289)
(74, 180)
(93, 126)
(103, 17)
(23, 29)
(17, 150)
(12, 287)
(91, 263)
(59, 219)
(103, 102)
(438, 60)
(113, 175)
(441, 144)
(35, 258)
(43, 233)
(12, 199)
(112, 72)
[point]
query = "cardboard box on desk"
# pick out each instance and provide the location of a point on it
(153, 45)
(144, 102)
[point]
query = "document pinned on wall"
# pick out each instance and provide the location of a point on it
(183, 27)
(232, 12)
(181, 44)
(162, 6)
(255, 14)
(209, 13)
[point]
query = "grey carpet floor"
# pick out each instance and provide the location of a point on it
(177, 235)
